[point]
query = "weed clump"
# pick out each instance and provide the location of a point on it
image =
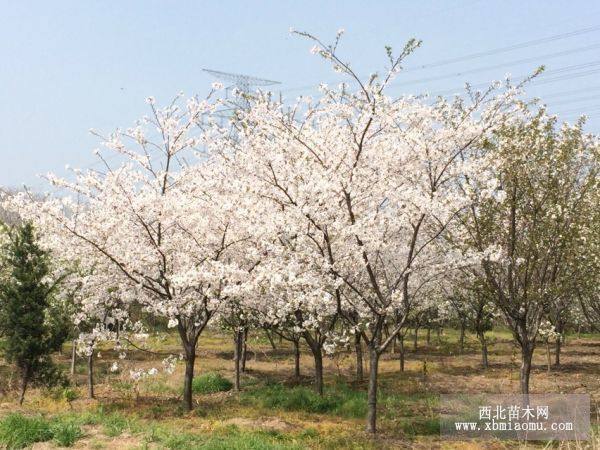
(210, 383)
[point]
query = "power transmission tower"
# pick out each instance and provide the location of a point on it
(243, 83)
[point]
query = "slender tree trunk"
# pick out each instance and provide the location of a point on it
(190, 360)
(461, 340)
(244, 349)
(401, 342)
(90, 375)
(372, 393)
(237, 356)
(73, 358)
(270, 338)
(484, 349)
(416, 338)
(296, 358)
(359, 357)
(548, 357)
(560, 329)
(24, 383)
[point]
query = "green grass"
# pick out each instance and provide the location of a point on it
(232, 437)
(159, 387)
(340, 400)
(210, 383)
(421, 426)
(19, 431)
(66, 434)
(114, 424)
(337, 400)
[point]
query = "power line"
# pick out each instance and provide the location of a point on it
(577, 99)
(510, 63)
(509, 48)
(575, 91)
(479, 54)
(578, 110)
(542, 79)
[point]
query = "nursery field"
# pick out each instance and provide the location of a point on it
(274, 409)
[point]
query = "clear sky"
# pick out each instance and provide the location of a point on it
(68, 66)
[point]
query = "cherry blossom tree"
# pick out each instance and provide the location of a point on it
(160, 224)
(531, 219)
(471, 299)
(360, 185)
(290, 300)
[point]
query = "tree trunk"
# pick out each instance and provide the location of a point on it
(190, 360)
(548, 357)
(484, 349)
(244, 349)
(90, 374)
(24, 382)
(428, 335)
(318, 356)
(416, 339)
(526, 356)
(461, 340)
(73, 358)
(270, 338)
(557, 349)
(237, 356)
(401, 342)
(372, 393)
(316, 347)
(296, 359)
(359, 357)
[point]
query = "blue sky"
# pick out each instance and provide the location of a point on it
(68, 66)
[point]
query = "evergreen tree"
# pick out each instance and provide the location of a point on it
(24, 309)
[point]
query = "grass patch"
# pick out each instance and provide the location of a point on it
(19, 431)
(229, 438)
(210, 383)
(159, 387)
(338, 400)
(421, 426)
(114, 424)
(66, 434)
